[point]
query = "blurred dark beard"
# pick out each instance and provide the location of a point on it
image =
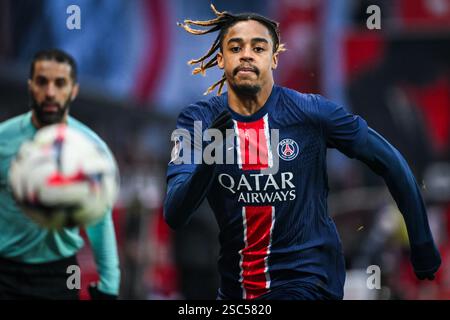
(46, 118)
(246, 90)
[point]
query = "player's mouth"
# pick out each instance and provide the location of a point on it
(50, 107)
(246, 70)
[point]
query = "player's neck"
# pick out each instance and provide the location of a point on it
(36, 123)
(247, 105)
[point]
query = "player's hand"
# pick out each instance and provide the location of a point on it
(96, 294)
(426, 260)
(223, 122)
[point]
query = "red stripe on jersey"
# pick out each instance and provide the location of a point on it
(253, 141)
(258, 223)
(253, 145)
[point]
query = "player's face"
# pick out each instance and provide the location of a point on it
(51, 89)
(247, 57)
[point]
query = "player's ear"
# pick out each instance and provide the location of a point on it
(274, 60)
(75, 90)
(29, 84)
(220, 62)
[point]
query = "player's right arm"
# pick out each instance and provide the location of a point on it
(188, 183)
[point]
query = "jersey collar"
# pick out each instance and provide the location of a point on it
(270, 103)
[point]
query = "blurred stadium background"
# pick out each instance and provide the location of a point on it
(134, 80)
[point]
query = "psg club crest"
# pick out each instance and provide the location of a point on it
(288, 149)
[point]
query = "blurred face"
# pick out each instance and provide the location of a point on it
(51, 89)
(247, 57)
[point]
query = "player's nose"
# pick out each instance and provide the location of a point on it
(246, 54)
(50, 90)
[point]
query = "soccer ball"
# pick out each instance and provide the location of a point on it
(62, 178)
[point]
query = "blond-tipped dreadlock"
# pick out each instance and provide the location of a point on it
(223, 21)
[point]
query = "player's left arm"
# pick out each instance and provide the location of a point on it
(102, 238)
(387, 162)
(351, 135)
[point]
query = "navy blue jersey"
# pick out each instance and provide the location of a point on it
(275, 229)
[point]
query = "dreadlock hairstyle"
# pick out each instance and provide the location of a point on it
(223, 21)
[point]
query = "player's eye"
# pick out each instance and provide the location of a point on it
(235, 49)
(258, 49)
(41, 81)
(60, 83)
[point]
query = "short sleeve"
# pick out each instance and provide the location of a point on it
(344, 131)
